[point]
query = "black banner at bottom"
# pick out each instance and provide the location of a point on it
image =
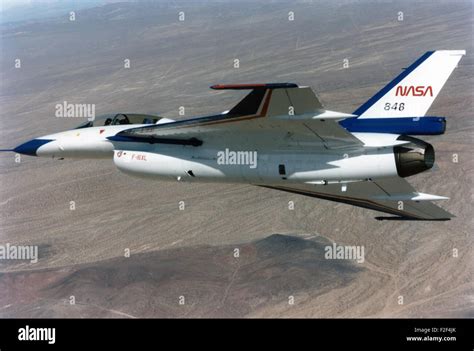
(432, 334)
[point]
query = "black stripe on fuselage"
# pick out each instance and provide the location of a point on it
(154, 140)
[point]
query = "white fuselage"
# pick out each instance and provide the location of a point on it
(82, 143)
(180, 164)
(216, 162)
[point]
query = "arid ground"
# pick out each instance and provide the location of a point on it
(183, 263)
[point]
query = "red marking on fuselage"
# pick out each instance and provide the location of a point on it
(138, 157)
(237, 86)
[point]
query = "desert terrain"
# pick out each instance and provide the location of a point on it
(182, 263)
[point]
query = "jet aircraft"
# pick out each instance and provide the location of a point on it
(279, 136)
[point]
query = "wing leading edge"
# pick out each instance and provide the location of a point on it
(274, 107)
(391, 195)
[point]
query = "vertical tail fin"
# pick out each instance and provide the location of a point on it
(414, 90)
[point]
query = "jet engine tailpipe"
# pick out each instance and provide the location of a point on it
(413, 158)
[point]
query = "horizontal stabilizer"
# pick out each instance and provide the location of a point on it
(411, 197)
(323, 114)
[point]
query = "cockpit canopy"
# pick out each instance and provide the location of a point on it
(120, 118)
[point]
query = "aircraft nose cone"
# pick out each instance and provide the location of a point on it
(30, 147)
